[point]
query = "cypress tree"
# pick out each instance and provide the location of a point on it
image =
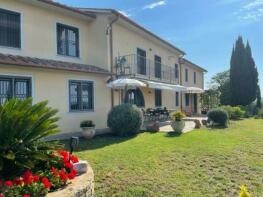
(243, 75)
(259, 102)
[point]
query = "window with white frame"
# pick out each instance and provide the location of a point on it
(67, 40)
(10, 29)
(186, 75)
(194, 77)
(81, 95)
(14, 87)
(158, 98)
(176, 99)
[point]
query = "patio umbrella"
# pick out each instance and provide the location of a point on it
(125, 83)
(194, 90)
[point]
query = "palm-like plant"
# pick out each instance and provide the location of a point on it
(22, 128)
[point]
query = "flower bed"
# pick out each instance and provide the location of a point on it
(53, 174)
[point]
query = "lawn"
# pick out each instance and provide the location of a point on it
(206, 162)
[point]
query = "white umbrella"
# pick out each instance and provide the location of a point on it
(125, 83)
(194, 90)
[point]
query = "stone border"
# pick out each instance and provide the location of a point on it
(81, 186)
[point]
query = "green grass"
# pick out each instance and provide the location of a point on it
(206, 162)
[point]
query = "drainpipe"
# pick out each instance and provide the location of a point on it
(109, 32)
(181, 81)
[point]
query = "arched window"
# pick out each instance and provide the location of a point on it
(134, 97)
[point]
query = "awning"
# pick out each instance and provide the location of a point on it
(125, 83)
(164, 86)
(194, 90)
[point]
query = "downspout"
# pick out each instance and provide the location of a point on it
(181, 81)
(109, 32)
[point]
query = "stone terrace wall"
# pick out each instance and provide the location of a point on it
(81, 186)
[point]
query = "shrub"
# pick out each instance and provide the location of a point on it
(234, 113)
(218, 116)
(251, 109)
(177, 116)
(125, 120)
(22, 127)
(87, 123)
(259, 114)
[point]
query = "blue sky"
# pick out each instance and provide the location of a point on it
(205, 29)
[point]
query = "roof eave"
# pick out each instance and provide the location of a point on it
(115, 12)
(75, 10)
(195, 65)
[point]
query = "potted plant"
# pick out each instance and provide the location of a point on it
(177, 122)
(88, 129)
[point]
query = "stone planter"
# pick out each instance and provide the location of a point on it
(178, 126)
(88, 132)
(81, 186)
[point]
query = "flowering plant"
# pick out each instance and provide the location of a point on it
(53, 174)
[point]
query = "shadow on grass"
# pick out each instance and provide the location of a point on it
(216, 127)
(173, 134)
(97, 142)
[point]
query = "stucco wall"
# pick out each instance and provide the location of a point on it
(39, 35)
(52, 85)
(191, 70)
(126, 41)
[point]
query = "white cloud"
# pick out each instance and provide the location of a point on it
(252, 11)
(253, 5)
(125, 13)
(155, 4)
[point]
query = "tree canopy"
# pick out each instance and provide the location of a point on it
(243, 75)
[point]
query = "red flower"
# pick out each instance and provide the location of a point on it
(28, 177)
(74, 159)
(2, 195)
(46, 182)
(26, 195)
(69, 165)
(35, 178)
(18, 181)
(64, 154)
(63, 176)
(8, 183)
(72, 174)
(54, 171)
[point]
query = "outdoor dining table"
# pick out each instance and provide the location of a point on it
(152, 114)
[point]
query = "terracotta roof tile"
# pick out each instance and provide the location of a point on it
(50, 64)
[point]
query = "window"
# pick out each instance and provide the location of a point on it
(134, 97)
(10, 29)
(158, 97)
(176, 71)
(14, 87)
(187, 101)
(81, 95)
(158, 66)
(194, 77)
(67, 40)
(141, 62)
(177, 99)
(186, 75)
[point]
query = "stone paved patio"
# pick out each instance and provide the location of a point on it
(189, 125)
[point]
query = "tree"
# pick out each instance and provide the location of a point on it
(243, 75)
(259, 102)
(221, 83)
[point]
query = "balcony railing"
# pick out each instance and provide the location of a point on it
(143, 68)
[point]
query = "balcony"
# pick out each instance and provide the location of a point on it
(143, 68)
